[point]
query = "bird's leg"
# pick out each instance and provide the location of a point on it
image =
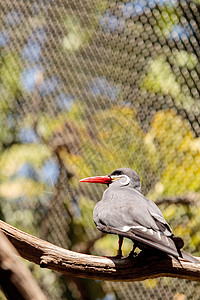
(132, 253)
(119, 251)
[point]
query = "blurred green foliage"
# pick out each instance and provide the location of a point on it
(99, 131)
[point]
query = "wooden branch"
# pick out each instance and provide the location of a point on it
(75, 264)
(15, 279)
(189, 199)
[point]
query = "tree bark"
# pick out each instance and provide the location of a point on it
(76, 264)
(15, 279)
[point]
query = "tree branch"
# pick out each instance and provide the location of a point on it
(189, 199)
(76, 264)
(15, 279)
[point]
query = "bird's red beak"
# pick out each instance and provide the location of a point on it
(97, 179)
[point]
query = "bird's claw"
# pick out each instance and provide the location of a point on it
(131, 254)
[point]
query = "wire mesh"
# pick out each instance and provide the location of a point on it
(86, 87)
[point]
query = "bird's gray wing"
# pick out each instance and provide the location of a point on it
(158, 217)
(122, 207)
(132, 215)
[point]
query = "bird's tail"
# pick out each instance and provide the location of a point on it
(179, 244)
(189, 257)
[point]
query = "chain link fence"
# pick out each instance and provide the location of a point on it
(86, 87)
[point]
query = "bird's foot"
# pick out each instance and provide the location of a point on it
(150, 252)
(132, 253)
(119, 253)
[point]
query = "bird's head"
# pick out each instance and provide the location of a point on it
(119, 177)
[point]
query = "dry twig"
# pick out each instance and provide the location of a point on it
(189, 199)
(15, 279)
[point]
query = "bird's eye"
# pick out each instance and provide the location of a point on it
(117, 173)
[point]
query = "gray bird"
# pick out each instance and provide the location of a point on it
(124, 211)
